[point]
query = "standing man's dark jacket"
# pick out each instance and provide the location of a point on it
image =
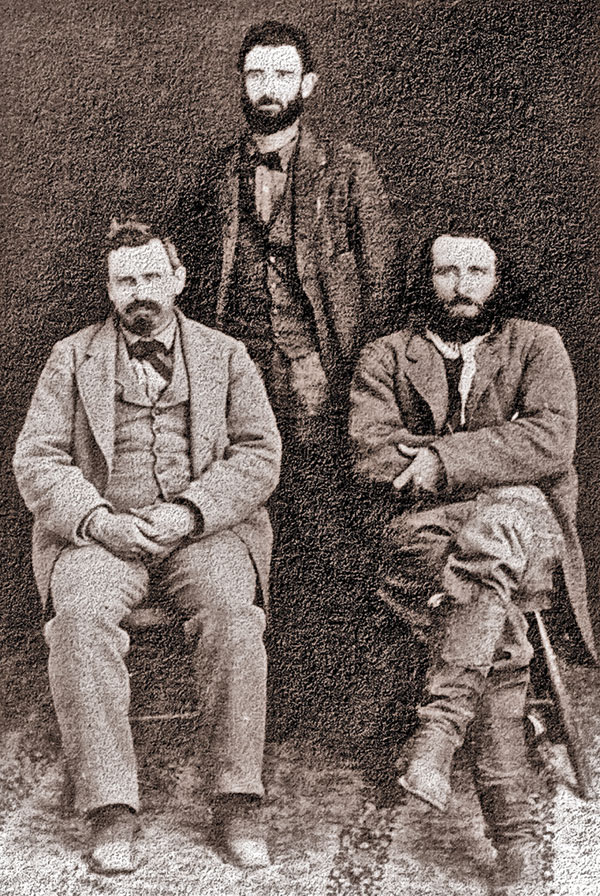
(344, 242)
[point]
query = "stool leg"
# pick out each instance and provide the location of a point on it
(575, 747)
(67, 794)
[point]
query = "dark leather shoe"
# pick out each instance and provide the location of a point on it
(113, 830)
(236, 834)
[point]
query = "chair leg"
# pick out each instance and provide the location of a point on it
(67, 795)
(575, 746)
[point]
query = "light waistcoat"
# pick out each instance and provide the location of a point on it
(151, 461)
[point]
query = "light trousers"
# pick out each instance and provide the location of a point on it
(214, 581)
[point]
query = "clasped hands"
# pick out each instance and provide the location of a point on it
(146, 533)
(424, 475)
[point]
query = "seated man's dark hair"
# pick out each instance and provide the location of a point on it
(131, 232)
(508, 300)
(276, 34)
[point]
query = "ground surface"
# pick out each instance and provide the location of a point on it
(324, 834)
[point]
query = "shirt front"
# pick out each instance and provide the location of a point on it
(461, 367)
(149, 379)
(269, 184)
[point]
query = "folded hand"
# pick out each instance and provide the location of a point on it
(166, 525)
(122, 535)
(424, 474)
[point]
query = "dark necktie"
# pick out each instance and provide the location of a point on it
(270, 160)
(156, 353)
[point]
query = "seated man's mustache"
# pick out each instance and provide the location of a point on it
(142, 305)
(465, 300)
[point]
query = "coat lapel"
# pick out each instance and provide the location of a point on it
(488, 359)
(202, 365)
(310, 165)
(229, 203)
(427, 373)
(309, 201)
(96, 383)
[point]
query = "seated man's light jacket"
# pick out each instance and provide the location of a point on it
(65, 452)
(521, 419)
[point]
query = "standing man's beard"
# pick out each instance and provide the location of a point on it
(261, 122)
(460, 329)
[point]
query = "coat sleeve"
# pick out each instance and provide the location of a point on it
(538, 443)
(52, 486)
(376, 424)
(235, 486)
(375, 235)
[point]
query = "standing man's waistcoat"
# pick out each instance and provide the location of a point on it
(266, 306)
(343, 248)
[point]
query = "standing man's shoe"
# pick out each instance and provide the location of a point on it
(113, 829)
(235, 831)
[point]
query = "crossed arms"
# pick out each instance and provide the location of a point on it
(534, 441)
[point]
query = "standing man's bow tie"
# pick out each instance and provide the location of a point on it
(270, 160)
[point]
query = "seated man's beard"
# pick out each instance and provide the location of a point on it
(261, 122)
(459, 329)
(139, 317)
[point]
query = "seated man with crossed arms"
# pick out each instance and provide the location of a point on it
(148, 452)
(464, 423)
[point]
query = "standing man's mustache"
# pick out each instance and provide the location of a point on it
(268, 101)
(463, 300)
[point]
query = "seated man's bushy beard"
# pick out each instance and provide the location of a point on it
(460, 329)
(263, 122)
(139, 317)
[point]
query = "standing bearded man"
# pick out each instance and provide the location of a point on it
(295, 255)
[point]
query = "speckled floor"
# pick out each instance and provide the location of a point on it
(312, 819)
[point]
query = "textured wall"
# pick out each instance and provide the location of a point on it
(108, 106)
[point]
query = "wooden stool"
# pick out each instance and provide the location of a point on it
(549, 694)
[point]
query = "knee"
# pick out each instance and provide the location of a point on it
(498, 530)
(90, 586)
(217, 579)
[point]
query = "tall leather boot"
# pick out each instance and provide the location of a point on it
(501, 774)
(454, 686)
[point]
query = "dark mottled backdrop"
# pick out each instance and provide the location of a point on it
(109, 105)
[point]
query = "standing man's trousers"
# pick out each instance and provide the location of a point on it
(214, 581)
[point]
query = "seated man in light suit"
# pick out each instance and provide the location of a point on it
(150, 447)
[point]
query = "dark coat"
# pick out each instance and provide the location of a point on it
(521, 424)
(63, 458)
(345, 243)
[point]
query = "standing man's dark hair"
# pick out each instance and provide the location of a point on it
(304, 243)
(276, 34)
